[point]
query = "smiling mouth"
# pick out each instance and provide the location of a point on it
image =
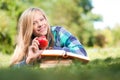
(41, 30)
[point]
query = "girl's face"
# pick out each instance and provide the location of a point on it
(40, 25)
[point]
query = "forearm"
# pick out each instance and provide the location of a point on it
(77, 50)
(60, 48)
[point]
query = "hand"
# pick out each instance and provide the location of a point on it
(33, 52)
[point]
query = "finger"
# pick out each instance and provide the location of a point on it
(35, 39)
(39, 52)
(32, 49)
(35, 43)
(29, 60)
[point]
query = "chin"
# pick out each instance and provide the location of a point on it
(43, 34)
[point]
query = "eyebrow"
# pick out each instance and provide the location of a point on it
(40, 18)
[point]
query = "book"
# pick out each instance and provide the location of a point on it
(65, 54)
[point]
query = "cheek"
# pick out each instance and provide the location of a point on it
(46, 30)
(34, 30)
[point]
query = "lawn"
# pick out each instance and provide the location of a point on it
(104, 65)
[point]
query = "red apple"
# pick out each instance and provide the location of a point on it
(43, 42)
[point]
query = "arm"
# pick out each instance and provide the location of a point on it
(66, 41)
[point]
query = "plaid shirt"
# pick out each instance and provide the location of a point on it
(64, 40)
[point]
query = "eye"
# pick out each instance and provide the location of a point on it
(41, 19)
(34, 23)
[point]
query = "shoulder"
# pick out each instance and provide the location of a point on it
(59, 29)
(61, 32)
(56, 28)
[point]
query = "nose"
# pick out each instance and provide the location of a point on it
(39, 24)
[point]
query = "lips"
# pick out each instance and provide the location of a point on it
(41, 29)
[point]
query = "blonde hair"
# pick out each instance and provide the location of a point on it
(25, 32)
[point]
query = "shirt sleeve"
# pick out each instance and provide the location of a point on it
(66, 41)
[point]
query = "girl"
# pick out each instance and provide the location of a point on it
(32, 24)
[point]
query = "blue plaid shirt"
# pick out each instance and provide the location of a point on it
(64, 40)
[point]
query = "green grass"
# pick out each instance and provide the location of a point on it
(4, 60)
(104, 65)
(98, 53)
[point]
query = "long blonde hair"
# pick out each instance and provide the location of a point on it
(25, 32)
